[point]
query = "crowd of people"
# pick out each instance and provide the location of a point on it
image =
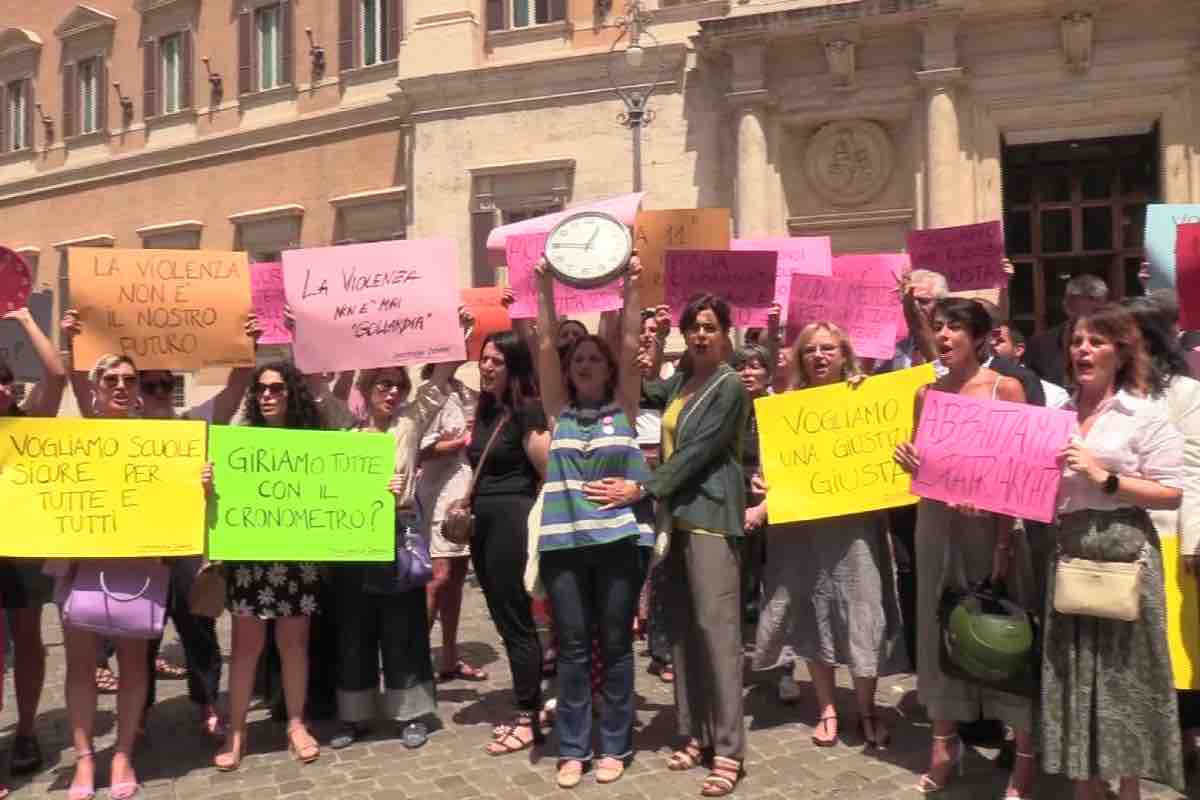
(619, 494)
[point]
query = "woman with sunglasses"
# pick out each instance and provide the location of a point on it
(286, 593)
(24, 590)
(116, 392)
(197, 635)
(379, 620)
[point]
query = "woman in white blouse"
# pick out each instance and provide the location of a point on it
(1108, 701)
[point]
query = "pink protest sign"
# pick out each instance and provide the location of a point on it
(860, 298)
(806, 255)
(522, 252)
(744, 279)
(1187, 274)
(267, 297)
(624, 207)
(970, 256)
(359, 306)
(1000, 456)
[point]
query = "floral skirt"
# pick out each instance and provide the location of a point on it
(271, 590)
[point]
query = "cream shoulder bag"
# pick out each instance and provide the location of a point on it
(1105, 589)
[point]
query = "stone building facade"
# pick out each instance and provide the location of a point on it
(269, 124)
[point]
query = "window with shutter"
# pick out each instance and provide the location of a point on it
(506, 14)
(374, 31)
(348, 38)
(171, 74)
(17, 111)
(3, 118)
(70, 95)
(150, 78)
(88, 122)
(267, 33)
(495, 17)
(245, 53)
(185, 69)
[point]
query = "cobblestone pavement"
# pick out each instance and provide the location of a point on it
(782, 761)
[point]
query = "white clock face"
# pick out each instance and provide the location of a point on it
(588, 248)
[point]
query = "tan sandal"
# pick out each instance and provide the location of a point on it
(570, 773)
(686, 758)
(609, 770)
(307, 751)
(725, 776)
(506, 741)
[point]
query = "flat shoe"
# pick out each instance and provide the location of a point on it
(570, 774)
(609, 770)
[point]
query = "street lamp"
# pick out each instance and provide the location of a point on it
(627, 56)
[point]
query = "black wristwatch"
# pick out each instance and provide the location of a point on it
(1111, 483)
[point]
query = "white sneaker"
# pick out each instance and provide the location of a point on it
(789, 690)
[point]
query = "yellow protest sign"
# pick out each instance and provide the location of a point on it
(165, 309)
(1183, 616)
(827, 451)
(656, 232)
(74, 488)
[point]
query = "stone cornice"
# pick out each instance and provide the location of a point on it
(492, 88)
(391, 194)
(18, 40)
(82, 19)
(808, 21)
(95, 240)
(267, 214)
(166, 228)
(940, 79)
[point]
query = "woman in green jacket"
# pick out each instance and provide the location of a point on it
(699, 483)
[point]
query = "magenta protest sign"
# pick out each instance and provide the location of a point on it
(744, 279)
(970, 256)
(522, 252)
(806, 255)
(997, 455)
(860, 298)
(359, 306)
(1187, 274)
(267, 297)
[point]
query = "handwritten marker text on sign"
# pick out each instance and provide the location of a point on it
(1001, 456)
(266, 285)
(374, 305)
(827, 451)
(102, 488)
(166, 309)
(658, 231)
(744, 279)
(288, 495)
(969, 256)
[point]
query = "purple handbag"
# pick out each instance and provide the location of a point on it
(117, 599)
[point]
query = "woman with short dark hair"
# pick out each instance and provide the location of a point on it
(701, 488)
(963, 545)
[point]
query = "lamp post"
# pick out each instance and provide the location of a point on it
(627, 58)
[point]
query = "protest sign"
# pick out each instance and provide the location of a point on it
(266, 294)
(1187, 274)
(101, 488)
(860, 298)
(294, 495)
(521, 253)
(827, 452)
(656, 232)
(16, 280)
(624, 207)
(1160, 239)
(487, 307)
(16, 349)
(166, 309)
(997, 455)
(1183, 615)
(744, 279)
(380, 304)
(969, 256)
(807, 255)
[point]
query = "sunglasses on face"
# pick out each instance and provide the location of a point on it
(111, 381)
(270, 388)
(156, 387)
(386, 385)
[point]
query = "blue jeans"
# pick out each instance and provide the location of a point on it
(594, 588)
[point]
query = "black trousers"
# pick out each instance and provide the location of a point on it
(392, 629)
(498, 552)
(197, 635)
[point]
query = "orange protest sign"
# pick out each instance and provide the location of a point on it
(656, 232)
(490, 316)
(166, 309)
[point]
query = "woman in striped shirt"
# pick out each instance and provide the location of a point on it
(589, 535)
